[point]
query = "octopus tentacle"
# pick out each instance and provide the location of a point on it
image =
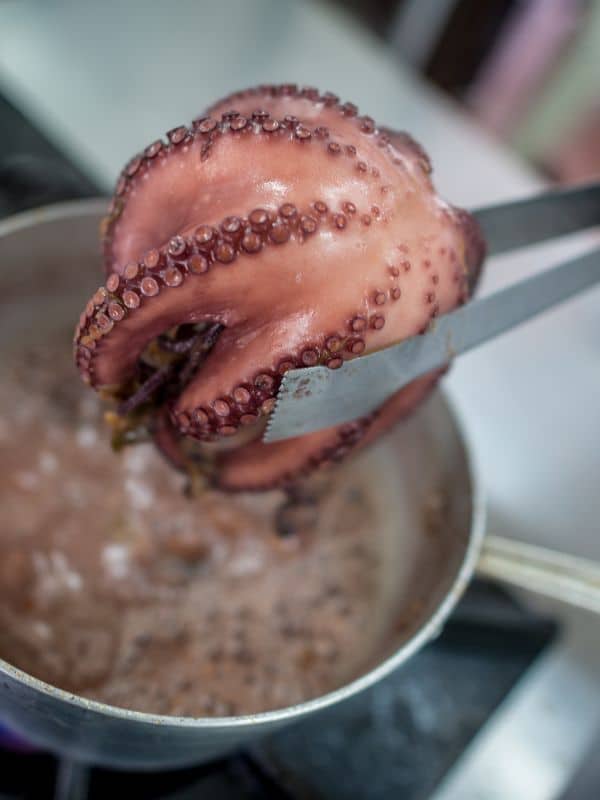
(300, 232)
(317, 450)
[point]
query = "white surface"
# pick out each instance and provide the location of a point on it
(106, 78)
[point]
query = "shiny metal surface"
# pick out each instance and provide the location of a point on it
(536, 219)
(314, 398)
(534, 743)
(64, 238)
(568, 579)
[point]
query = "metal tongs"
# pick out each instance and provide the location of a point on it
(313, 398)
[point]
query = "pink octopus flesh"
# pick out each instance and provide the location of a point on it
(281, 229)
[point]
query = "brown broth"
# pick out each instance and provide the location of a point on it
(116, 586)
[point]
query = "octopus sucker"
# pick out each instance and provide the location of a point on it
(280, 229)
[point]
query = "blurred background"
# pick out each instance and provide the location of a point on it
(98, 79)
(527, 70)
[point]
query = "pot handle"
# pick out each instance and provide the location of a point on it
(572, 580)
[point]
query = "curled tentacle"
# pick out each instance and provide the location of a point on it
(298, 233)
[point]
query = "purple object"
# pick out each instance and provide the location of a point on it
(515, 72)
(12, 741)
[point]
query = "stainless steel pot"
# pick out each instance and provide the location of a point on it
(49, 265)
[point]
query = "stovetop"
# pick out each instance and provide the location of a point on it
(396, 740)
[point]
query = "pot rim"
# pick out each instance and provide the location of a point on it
(431, 628)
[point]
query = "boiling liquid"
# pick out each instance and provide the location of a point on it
(116, 586)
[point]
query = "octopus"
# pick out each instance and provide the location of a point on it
(280, 229)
